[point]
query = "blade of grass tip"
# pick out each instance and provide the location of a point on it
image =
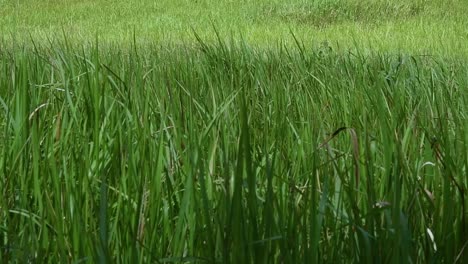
(355, 146)
(204, 46)
(334, 134)
(134, 44)
(221, 43)
(299, 45)
(351, 196)
(65, 39)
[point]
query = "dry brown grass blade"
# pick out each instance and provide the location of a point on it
(58, 127)
(142, 217)
(36, 110)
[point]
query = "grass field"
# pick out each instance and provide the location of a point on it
(417, 26)
(229, 132)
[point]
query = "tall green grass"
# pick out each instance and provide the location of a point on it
(231, 154)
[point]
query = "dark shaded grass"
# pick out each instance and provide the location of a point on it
(225, 153)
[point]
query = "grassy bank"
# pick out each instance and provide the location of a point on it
(417, 26)
(226, 153)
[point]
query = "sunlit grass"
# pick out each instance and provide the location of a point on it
(230, 153)
(415, 26)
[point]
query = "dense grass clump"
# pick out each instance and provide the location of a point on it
(230, 154)
(322, 14)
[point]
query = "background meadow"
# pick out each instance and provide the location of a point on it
(419, 27)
